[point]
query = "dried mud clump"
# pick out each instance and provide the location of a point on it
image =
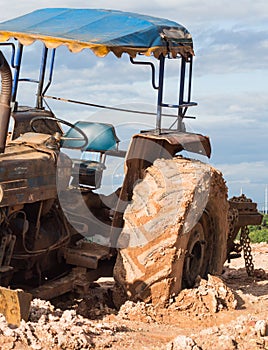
(244, 333)
(182, 342)
(50, 328)
(138, 311)
(208, 297)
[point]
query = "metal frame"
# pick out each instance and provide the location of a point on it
(16, 59)
(182, 105)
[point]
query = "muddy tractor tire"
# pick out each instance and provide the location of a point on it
(175, 229)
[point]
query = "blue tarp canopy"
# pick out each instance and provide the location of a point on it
(101, 31)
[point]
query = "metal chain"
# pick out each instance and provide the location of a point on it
(232, 219)
(245, 243)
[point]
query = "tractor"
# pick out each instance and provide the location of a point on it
(169, 221)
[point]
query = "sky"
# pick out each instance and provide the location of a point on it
(230, 79)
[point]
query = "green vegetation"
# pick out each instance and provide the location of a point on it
(259, 233)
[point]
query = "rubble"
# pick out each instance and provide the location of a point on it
(244, 333)
(182, 342)
(219, 313)
(209, 296)
(51, 328)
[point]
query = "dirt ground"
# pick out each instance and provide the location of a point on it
(226, 312)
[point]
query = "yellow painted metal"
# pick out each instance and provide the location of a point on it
(14, 305)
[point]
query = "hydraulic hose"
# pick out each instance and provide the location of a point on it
(5, 97)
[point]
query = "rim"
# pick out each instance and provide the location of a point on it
(194, 258)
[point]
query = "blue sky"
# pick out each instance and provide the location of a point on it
(230, 79)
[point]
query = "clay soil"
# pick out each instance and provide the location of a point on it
(226, 312)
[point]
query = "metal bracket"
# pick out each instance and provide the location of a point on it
(152, 67)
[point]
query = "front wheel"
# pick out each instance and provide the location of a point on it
(178, 220)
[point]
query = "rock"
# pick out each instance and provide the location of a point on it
(137, 311)
(227, 342)
(182, 342)
(8, 332)
(262, 328)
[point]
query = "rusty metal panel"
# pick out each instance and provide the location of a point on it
(86, 254)
(28, 172)
(247, 211)
(84, 259)
(55, 288)
(191, 142)
(249, 219)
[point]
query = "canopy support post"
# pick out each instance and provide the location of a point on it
(50, 72)
(17, 66)
(39, 100)
(160, 93)
(181, 94)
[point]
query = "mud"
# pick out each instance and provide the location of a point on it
(225, 312)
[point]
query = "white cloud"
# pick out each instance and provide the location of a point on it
(231, 51)
(264, 44)
(242, 177)
(244, 171)
(230, 81)
(185, 11)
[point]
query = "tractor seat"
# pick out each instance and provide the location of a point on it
(101, 138)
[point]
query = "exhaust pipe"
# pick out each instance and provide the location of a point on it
(5, 98)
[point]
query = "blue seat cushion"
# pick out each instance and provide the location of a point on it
(101, 136)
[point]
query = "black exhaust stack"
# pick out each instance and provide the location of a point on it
(5, 98)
